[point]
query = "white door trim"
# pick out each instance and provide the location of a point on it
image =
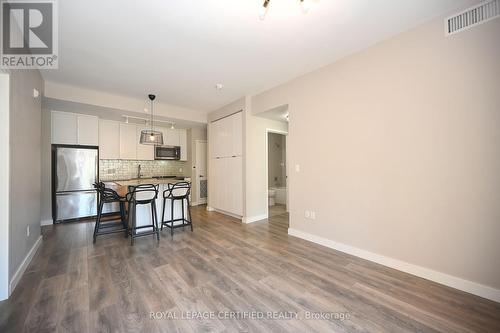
(199, 201)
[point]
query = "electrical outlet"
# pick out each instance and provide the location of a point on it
(27, 231)
(297, 167)
(180, 169)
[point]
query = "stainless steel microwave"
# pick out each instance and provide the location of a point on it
(167, 153)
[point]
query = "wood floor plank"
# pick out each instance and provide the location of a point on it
(225, 267)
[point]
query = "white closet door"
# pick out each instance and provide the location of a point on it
(235, 170)
(237, 134)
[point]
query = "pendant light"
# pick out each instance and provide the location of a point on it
(150, 136)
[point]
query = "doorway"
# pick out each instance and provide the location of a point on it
(277, 176)
(200, 188)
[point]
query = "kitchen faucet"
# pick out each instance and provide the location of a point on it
(139, 171)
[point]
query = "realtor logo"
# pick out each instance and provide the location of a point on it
(29, 34)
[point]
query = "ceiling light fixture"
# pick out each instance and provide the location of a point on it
(305, 5)
(150, 136)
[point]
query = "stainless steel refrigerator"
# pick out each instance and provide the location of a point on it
(74, 171)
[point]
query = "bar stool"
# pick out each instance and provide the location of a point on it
(109, 196)
(144, 194)
(176, 192)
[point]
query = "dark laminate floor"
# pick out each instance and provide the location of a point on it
(75, 286)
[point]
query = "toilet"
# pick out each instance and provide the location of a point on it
(271, 193)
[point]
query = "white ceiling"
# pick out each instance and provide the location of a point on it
(180, 49)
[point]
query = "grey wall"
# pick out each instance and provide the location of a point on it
(46, 208)
(4, 183)
(25, 164)
(398, 147)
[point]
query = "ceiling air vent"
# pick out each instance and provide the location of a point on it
(472, 16)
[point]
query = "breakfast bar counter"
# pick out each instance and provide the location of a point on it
(143, 216)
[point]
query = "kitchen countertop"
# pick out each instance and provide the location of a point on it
(135, 182)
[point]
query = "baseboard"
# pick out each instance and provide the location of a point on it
(46, 222)
(22, 268)
(251, 219)
(426, 273)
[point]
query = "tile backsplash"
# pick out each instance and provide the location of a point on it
(127, 169)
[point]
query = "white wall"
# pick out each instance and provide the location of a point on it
(113, 101)
(399, 156)
(4, 184)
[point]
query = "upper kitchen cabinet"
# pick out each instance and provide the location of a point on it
(87, 130)
(128, 142)
(226, 136)
(175, 137)
(171, 137)
(109, 139)
(74, 129)
(144, 152)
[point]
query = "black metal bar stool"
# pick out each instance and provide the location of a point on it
(144, 194)
(108, 196)
(176, 192)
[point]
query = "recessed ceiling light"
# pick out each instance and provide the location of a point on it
(219, 86)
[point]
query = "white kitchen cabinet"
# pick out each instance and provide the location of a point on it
(183, 144)
(64, 128)
(144, 152)
(171, 138)
(74, 129)
(128, 142)
(109, 139)
(87, 130)
(175, 137)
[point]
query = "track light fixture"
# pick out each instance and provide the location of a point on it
(305, 5)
